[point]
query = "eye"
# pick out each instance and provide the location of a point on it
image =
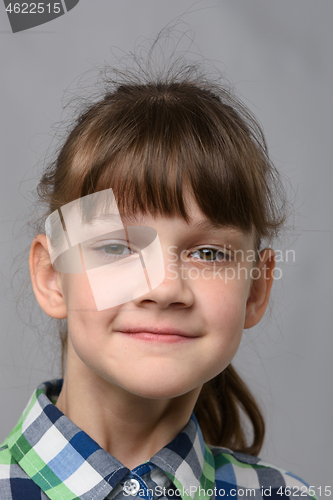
(208, 254)
(115, 250)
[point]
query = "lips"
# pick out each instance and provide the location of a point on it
(161, 333)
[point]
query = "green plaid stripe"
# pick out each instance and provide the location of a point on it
(25, 455)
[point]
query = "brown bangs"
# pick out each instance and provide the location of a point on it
(150, 143)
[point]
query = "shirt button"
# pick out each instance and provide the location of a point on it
(131, 486)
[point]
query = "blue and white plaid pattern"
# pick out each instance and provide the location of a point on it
(48, 456)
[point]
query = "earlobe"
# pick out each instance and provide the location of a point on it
(45, 280)
(260, 288)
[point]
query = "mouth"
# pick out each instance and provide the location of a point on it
(168, 335)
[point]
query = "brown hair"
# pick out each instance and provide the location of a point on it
(151, 139)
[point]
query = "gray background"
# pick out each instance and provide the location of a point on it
(279, 57)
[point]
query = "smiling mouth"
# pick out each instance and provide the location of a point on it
(158, 337)
(164, 335)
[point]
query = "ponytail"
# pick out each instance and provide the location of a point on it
(218, 411)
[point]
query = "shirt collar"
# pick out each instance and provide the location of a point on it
(67, 464)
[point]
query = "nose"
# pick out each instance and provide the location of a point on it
(175, 290)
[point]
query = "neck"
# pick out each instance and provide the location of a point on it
(130, 427)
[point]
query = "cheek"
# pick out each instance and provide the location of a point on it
(223, 305)
(77, 293)
(90, 338)
(87, 327)
(223, 301)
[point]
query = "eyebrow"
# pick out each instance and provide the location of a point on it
(105, 218)
(207, 224)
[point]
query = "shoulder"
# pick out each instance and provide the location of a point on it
(233, 469)
(14, 482)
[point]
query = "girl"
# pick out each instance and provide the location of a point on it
(158, 206)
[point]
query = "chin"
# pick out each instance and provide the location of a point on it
(156, 389)
(157, 393)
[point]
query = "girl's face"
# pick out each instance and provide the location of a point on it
(187, 330)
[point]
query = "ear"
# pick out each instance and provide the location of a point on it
(45, 280)
(260, 288)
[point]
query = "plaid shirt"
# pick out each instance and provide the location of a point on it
(48, 456)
